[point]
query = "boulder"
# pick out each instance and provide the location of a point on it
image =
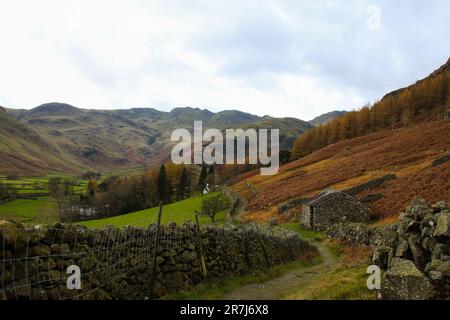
(403, 281)
(441, 252)
(439, 269)
(440, 206)
(382, 256)
(418, 209)
(442, 225)
(402, 250)
(407, 225)
(385, 236)
(428, 222)
(428, 243)
(420, 256)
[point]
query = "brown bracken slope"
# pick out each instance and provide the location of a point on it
(409, 153)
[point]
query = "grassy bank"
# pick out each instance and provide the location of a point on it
(178, 212)
(30, 211)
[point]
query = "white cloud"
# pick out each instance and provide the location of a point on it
(283, 58)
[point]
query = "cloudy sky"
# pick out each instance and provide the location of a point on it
(282, 58)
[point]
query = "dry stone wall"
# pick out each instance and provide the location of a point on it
(118, 263)
(415, 252)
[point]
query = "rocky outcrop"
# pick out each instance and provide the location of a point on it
(403, 281)
(419, 243)
(422, 248)
(118, 263)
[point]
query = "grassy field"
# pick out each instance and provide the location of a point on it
(35, 206)
(178, 212)
(30, 211)
(38, 184)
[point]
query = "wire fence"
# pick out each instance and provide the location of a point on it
(133, 263)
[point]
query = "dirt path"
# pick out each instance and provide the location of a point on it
(287, 283)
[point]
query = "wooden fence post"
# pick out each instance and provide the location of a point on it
(155, 250)
(200, 248)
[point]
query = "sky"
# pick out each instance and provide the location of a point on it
(280, 58)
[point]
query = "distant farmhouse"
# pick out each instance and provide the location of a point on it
(330, 207)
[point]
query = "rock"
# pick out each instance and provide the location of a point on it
(382, 256)
(428, 222)
(408, 225)
(41, 250)
(403, 249)
(418, 209)
(436, 276)
(403, 281)
(440, 252)
(442, 225)
(418, 213)
(420, 256)
(386, 236)
(8, 232)
(174, 280)
(428, 243)
(440, 206)
(442, 267)
(427, 232)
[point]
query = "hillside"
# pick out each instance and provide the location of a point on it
(23, 150)
(418, 156)
(326, 117)
(427, 99)
(290, 128)
(112, 139)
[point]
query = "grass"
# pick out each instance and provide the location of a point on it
(178, 212)
(342, 283)
(36, 211)
(303, 232)
(346, 281)
(39, 184)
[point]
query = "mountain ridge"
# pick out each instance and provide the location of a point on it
(109, 139)
(327, 117)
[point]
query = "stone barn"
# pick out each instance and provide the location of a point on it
(330, 207)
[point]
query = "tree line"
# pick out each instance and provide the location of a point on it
(426, 100)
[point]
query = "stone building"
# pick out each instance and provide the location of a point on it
(330, 207)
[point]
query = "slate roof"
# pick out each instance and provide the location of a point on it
(321, 197)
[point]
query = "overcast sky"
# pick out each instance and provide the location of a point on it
(282, 58)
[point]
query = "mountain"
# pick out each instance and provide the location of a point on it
(290, 128)
(109, 139)
(22, 149)
(326, 117)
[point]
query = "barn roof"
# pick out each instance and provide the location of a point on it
(321, 197)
